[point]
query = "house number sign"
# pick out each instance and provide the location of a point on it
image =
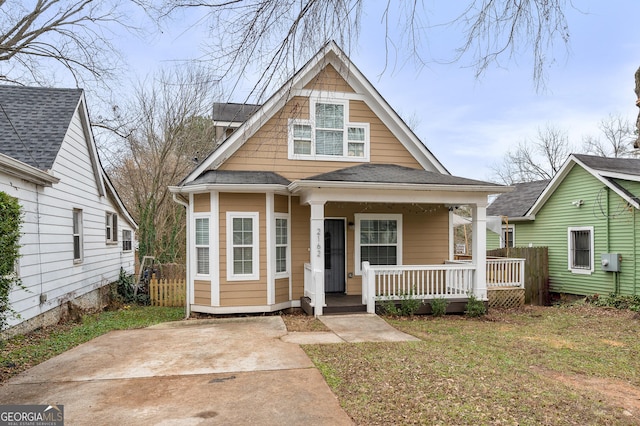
(319, 246)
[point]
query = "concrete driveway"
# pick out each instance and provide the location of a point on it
(224, 371)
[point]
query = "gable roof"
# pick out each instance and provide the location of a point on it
(392, 173)
(34, 122)
(232, 112)
(329, 54)
(604, 169)
(516, 204)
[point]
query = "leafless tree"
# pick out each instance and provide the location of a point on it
(274, 35)
(618, 138)
(535, 159)
(35, 36)
(166, 125)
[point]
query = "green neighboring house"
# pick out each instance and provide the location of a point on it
(588, 217)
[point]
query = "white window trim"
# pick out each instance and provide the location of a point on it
(582, 271)
(197, 246)
(255, 267)
(345, 142)
(503, 239)
(284, 274)
(111, 219)
(376, 216)
(80, 236)
(125, 240)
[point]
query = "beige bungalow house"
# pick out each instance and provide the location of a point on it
(324, 191)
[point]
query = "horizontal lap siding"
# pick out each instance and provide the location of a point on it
(299, 245)
(47, 264)
(202, 292)
(202, 203)
(328, 80)
(281, 204)
(243, 293)
(267, 149)
(282, 290)
(550, 229)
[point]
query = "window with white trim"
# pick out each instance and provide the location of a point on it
(581, 249)
(126, 240)
(282, 244)
(111, 227)
(77, 235)
(328, 135)
(242, 246)
(378, 239)
(508, 236)
(202, 245)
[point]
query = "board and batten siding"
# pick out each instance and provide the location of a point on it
(47, 265)
(615, 231)
(250, 292)
(267, 149)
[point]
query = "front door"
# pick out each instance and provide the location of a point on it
(334, 256)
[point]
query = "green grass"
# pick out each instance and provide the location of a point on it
(24, 351)
(535, 366)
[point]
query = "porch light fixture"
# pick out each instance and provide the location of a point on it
(351, 226)
(577, 203)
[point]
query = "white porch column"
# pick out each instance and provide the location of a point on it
(316, 255)
(479, 250)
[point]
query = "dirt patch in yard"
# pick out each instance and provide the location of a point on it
(303, 323)
(615, 392)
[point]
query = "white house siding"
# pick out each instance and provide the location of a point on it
(46, 265)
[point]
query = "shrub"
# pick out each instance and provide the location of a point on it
(408, 305)
(439, 307)
(616, 301)
(124, 291)
(10, 222)
(475, 308)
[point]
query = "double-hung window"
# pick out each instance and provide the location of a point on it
(508, 236)
(202, 245)
(282, 244)
(378, 239)
(581, 249)
(111, 227)
(328, 134)
(242, 246)
(126, 240)
(77, 235)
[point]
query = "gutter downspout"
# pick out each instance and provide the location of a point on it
(187, 309)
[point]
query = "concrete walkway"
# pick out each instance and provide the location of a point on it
(234, 371)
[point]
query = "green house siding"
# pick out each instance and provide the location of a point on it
(616, 230)
(493, 240)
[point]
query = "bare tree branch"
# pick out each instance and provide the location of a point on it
(618, 138)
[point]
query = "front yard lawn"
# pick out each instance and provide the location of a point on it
(538, 366)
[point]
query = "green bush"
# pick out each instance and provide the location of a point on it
(475, 308)
(439, 306)
(616, 301)
(10, 222)
(124, 291)
(408, 305)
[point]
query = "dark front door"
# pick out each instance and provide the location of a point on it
(334, 256)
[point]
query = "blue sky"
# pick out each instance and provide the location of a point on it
(470, 123)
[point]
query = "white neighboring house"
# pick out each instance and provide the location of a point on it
(76, 232)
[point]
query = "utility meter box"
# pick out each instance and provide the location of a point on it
(610, 262)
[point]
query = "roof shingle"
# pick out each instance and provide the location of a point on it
(518, 202)
(34, 121)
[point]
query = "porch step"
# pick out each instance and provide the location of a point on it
(347, 309)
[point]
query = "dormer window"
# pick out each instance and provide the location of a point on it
(328, 136)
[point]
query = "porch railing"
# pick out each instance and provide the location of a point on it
(505, 272)
(449, 281)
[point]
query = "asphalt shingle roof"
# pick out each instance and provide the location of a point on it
(519, 201)
(238, 113)
(34, 121)
(391, 173)
(629, 166)
(230, 177)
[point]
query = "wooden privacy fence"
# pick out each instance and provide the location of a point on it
(167, 292)
(536, 276)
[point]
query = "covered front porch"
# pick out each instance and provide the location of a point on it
(452, 281)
